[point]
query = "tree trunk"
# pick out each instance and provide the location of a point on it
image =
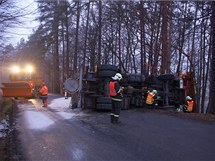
(67, 43)
(211, 107)
(169, 44)
(119, 31)
(192, 56)
(204, 69)
(76, 38)
(181, 46)
(56, 80)
(63, 46)
(86, 34)
(164, 62)
(142, 39)
(100, 34)
(157, 45)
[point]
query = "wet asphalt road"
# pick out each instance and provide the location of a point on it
(89, 136)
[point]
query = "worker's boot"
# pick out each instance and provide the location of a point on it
(116, 120)
(45, 103)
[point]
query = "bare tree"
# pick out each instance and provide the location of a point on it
(86, 33)
(10, 15)
(76, 38)
(56, 72)
(142, 38)
(100, 34)
(211, 107)
(164, 64)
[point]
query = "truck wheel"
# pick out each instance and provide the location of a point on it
(166, 77)
(150, 80)
(108, 67)
(104, 100)
(126, 103)
(106, 73)
(103, 103)
(135, 78)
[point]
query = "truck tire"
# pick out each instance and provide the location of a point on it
(150, 80)
(104, 100)
(103, 103)
(166, 77)
(136, 78)
(106, 73)
(157, 87)
(126, 103)
(108, 67)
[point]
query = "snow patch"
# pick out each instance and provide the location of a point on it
(60, 103)
(4, 127)
(66, 115)
(37, 120)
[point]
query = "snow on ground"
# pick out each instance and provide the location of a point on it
(66, 115)
(4, 127)
(60, 103)
(37, 120)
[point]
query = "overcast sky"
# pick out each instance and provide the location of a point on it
(25, 29)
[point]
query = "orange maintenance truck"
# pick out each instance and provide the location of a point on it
(22, 82)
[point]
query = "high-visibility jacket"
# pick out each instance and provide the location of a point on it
(44, 90)
(112, 90)
(150, 99)
(190, 105)
(115, 91)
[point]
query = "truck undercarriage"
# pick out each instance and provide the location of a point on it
(171, 90)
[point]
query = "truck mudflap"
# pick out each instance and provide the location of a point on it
(16, 90)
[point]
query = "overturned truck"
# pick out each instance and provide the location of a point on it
(94, 89)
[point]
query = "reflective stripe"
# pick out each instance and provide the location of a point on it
(120, 90)
(112, 114)
(116, 115)
(115, 99)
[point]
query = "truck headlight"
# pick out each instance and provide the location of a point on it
(29, 69)
(16, 69)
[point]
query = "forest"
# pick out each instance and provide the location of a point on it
(146, 37)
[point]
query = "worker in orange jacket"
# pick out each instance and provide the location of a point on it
(115, 92)
(189, 106)
(150, 99)
(44, 94)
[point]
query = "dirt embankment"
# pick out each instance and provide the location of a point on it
(210, 118)
(9, 143)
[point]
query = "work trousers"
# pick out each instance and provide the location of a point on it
(44, 99)
(116, 108)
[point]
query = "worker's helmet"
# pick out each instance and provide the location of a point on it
(154, 91)
(118, 76)
(188, 98)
